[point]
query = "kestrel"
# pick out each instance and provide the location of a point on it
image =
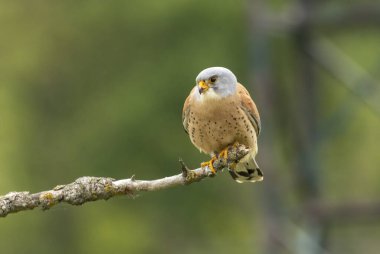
(218, 113)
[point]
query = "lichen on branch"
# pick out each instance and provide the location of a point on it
(89, 188)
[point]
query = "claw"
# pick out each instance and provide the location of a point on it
(224, 153)
(236, 144)
(209, 164)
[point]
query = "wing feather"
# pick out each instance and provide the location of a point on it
(249, 107)
(186, 111)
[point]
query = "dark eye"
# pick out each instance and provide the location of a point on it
(213, 79)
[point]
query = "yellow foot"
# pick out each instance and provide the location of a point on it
(209, 164)
(224, 153)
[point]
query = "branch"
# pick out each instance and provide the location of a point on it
(89, 188)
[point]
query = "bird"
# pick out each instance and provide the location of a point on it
(218, 113)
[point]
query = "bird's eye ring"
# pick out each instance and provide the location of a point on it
(213, 79)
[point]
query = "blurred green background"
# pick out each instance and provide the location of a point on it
(96, 88)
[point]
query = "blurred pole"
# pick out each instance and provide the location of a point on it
(305, 115)
(313, 217)
(309, 237)
(265, 93)
(305, 138)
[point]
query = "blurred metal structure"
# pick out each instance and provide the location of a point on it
(313, 217)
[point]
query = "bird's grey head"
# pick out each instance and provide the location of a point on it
(216, 82)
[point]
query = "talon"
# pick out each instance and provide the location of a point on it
(224, 153)
(209, 164)
(236, 145)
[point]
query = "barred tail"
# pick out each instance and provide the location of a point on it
(247, 170)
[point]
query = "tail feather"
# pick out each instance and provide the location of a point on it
(247, 170)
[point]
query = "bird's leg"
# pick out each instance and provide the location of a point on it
(224, 152)
(236, 144)
(209, 164)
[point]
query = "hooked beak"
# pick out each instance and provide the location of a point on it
(202, 86)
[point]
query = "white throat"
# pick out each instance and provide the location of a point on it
(209, 95)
